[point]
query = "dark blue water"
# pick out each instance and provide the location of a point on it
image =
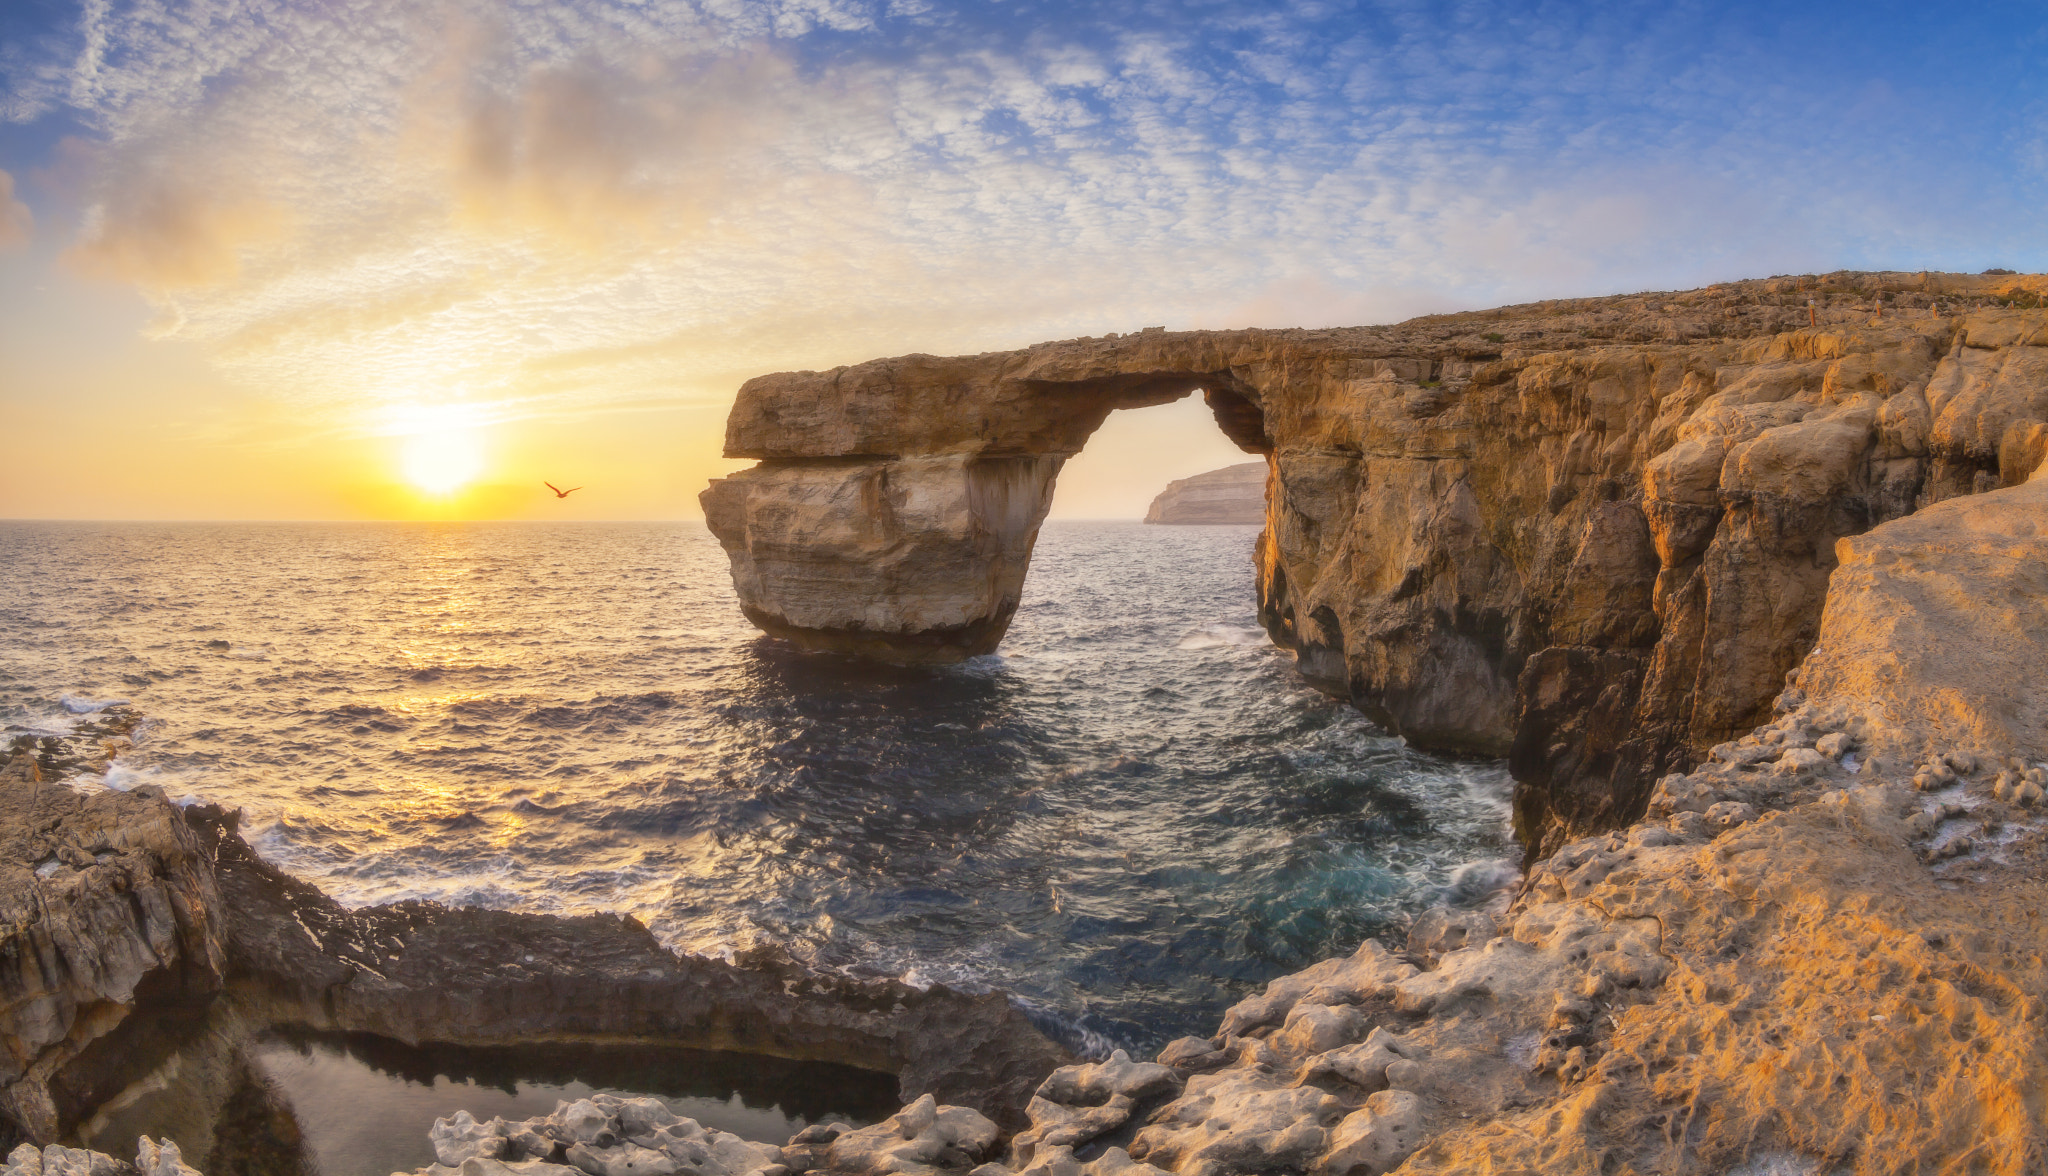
(1128, 817)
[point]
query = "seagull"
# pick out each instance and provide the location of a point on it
(560, 493)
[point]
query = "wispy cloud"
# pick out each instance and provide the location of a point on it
(558, 208)
(16, 222)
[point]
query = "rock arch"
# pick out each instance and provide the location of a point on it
(896, 503)
(1592, 536)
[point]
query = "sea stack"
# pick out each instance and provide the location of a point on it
(1233, 494)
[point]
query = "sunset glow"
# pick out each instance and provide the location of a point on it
(442, 454)
(236, 240)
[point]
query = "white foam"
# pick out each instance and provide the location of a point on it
(120, 777)
(1476, 881)
(78, 704)
(1217, 636)
(58, 725)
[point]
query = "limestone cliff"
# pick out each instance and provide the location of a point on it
(1233, 494)
(1592, 535)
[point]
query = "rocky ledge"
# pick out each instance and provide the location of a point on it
(1233, 494)
(130, 927)
(1590, 535)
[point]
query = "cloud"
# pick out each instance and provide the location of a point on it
(165, 230)
(17, 224)
(565, 209)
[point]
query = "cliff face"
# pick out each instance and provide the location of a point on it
(1233, 494)
(1590, 535)
(106, 903)
(1819, 953)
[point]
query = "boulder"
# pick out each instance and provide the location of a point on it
(922, 1139)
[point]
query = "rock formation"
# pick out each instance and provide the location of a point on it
(1590, 535)
(603, 1135)
(106, 903)
(132, 928)
(1820, 951)
(417, 972)
(152, 1158)
(1233, 494)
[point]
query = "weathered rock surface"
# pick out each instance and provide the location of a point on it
(152, 1158)
(127, 919)
(1233, 494)
(106, 902)
(1819, 952)
(923, 1139)
(420, 972)
(603, 1135)
(1591, 535)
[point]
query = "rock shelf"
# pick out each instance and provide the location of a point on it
(130, 922)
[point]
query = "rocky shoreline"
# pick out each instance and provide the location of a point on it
(1818, 953)
(1811, 944)
(131, 923)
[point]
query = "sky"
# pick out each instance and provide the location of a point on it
(362, 259)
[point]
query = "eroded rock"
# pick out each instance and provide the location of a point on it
(1592, 536)
(603, 1135)
(98, 895)
(922, 1139)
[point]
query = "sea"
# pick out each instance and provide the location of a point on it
(1127, 818)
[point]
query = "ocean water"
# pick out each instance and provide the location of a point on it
(1128, 817)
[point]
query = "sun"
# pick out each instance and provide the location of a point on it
(441, 452)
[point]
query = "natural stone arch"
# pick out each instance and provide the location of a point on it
(896, 505)
(1592, 536)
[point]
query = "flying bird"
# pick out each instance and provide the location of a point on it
(561, 493)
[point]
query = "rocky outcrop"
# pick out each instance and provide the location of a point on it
(107, 903)
(152, 1158)
(418, 972)
(1819, 952)
(1233, 494)
(1590, 535)
(604, 1135)
(133, 926)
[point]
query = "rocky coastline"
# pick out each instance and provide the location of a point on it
(135, 928)
(1754, 594)
(1817, 953)
(1233, 494)
(1589, 535)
